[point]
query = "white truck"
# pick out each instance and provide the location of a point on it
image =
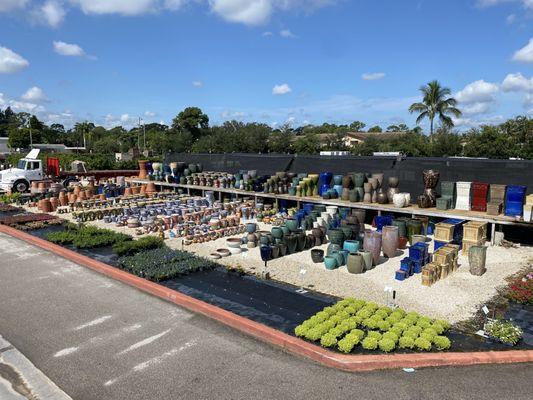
(30, 169)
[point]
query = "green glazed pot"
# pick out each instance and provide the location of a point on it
(330, 262)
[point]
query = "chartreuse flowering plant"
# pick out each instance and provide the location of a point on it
(351, 323)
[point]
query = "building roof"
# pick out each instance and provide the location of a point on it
(362, 136)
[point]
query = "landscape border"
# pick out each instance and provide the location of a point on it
(293, 345)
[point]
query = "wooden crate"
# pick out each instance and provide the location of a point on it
(444, 256)
(469, 243)
(444, 232)
(529, 199)
(475, 231)
(494, 208)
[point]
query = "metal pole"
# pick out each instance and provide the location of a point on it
(31, 138)
(144, 137)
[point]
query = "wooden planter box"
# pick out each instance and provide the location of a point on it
(444, 232)
(467, 244)
(475, 231)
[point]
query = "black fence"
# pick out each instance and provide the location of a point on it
(408, 170)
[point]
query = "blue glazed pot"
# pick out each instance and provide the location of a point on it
(351, 246)
(266, 253)
(337, 180)
(338, 189)
(339, 257)
(332, 248)
(251, 227)
(330, 262)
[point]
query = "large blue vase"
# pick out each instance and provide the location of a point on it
(324, 179)
(514, 200)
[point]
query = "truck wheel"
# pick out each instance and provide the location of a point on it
(20, 186)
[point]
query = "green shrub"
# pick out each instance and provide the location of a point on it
(445, 324)
(383, 326)
(399, 312)
(505, 331)
(374, 334)
(347, 344)
(423, 322)
(369, 323)
(402, 325)
(358, 332)
(430, 332)
(313, 334)
(386, 345)
(382, 313)
(337, 332)
(390, 336)
(364, 313)
(336, 318)
(371, 306)
(393, 319)
(406, 342)
(358, 304)
(423, 344)
(438, 328)
(370, 343)
(426, 336)
(350, 323)
(301, 330)
(322, 316)
(412, 334)
(396, 330)
(350, 310)
(416, 329)
(328, 310)
(131, 247)
(164, 263)
(412, 316)
(442, 342)
(86, 237)
(328, 340)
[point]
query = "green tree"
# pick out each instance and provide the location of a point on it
(191, 120)
(435, 103)
(397, 128)
(307, 144)
(357, 126)
(19, 138)
(444, 143)
(375, 128)
(281, 141)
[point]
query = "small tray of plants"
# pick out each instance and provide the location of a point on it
(87, 237)
(351, 323)
(502, 331)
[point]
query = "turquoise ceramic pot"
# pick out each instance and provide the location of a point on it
(339, 257)
(330, 262)
(277, 232)
(292, 224)
(337, 179)
(351, 245)
(285, 230)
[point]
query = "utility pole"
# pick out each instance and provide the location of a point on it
(139, 135)
(31, 138)
(144, 137)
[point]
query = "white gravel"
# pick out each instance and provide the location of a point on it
(455, 298)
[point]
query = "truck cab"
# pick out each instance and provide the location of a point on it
(19, 178)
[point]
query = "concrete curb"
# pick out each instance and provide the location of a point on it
(352, 363)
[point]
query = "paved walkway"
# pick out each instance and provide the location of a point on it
(99, 339)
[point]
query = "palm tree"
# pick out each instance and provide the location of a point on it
(436, 103)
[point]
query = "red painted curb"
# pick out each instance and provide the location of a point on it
(264, 333)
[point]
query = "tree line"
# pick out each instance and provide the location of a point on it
(190, 131)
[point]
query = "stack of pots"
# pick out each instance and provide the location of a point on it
(251, 237)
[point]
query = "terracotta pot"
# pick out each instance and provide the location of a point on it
(372, 244)
(102, 196)
(150, 188)
(46, 206)
(390, 239)
(142, 169)
(402, 242)
(77, 189)
(127, 191)
(54, 201)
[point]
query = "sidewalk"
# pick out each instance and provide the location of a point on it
(21, 380)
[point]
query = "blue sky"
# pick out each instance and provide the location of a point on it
(274, 61)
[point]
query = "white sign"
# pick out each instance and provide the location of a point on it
(485, 310)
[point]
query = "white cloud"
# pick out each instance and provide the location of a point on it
(50, 13)
(68, 49)
(478, 91)
(373, 76)
(267, 34)
(34, 94)
(517, 83)
(286, 33)
(281, 89)
(258, 12)
(11, 5)
(528, 4)
(174, 5)
(525, 54)
(227, 114)
(510, 18)
(197, 84)
(149, 114)
(248, 12)
(122, 7)
(11, 62)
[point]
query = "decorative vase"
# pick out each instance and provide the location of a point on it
(355, 264)
(143, 173)
(393, 182)
(430, 178)
(399, 200)
(372, 243)
(367, 197)
(351, 245)
(381, 197)
(358, 179)
(339, 257)
(317, 255)
(390, 237)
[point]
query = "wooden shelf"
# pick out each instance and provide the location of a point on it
(411, 210)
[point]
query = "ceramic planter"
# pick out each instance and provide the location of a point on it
(339, 258)
(372, 244)
(390, 237)
(399, 200)
(367, 259)
(330, 262)
(355, 264)
(351, 245)
(317, 255)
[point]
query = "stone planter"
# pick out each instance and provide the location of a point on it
(477, 256)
